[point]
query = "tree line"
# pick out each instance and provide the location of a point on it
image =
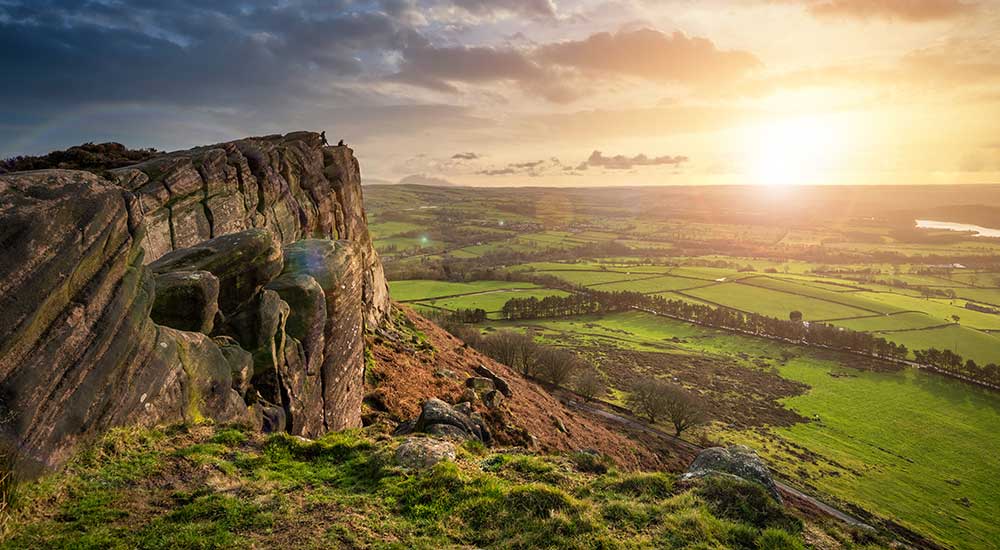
(587, 301)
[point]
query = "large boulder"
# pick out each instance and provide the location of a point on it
(186, 300)
(735, 460)
(280, 373)
(337, 266)
(498, 381)
(208, 384)
(243, 262)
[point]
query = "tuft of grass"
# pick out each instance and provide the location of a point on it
(591, 462)
(644, 487)
(745, 502)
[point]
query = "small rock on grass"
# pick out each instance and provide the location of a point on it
(419, 453)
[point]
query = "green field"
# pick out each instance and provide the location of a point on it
(901, 321)
(651, 285)
(989, 296)
(492, 301)
(939, 308)
(406, 291)
(967, 342)
(772, 302)
(933, 444)
(588, 278)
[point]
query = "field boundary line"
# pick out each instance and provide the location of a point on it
(860, 308)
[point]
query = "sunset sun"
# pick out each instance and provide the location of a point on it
(791, 152)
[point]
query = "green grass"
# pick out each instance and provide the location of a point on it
(587, 278)
(939, 308)
(653, 285)
(914, 445)
(984, 295)
(410, 290)
(901, 321)
(969, 343)
(772, 302)
(492, 301)
(391, 229)
(345, 491)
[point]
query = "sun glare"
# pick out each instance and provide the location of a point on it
(792, 152)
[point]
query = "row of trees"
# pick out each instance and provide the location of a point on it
(588, 301)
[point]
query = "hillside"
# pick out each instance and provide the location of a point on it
(217, 486)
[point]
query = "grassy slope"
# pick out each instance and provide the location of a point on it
(919, 443)
(206, 487)
(943, 426)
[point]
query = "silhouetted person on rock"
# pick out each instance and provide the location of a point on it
(322, 136)
(340, 143)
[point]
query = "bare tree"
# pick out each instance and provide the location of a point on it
(589, 384)
(683, 410)
(557, 366)
(656, 399)
(514, 349)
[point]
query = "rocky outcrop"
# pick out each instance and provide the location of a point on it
(291, 185)
(737, 461)
(441, 419)
(229, 283)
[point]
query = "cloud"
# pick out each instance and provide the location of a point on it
(622, 162)
(597, 159)
(543, 9)
(560, 71)
(532, 168)
(465, 156)
(651, 55)
(424, 179)
(902, 10)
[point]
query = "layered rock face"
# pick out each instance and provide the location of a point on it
(229, 283)
(291, 185)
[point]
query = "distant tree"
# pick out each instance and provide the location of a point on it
(514, 349)
(683, 410)
(644, 399)
(588, 384)
(956, 318)
(795, 316)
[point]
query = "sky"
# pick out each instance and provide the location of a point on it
(527, 92)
